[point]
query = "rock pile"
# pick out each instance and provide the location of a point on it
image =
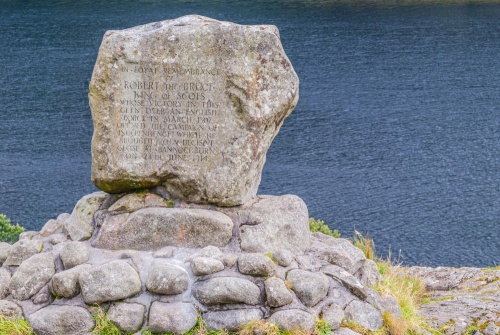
(184, 111)
(283, 274)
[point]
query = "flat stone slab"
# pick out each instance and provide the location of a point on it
(154, 228)
(192, 104)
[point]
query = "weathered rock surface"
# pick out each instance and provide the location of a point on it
(275, 223)
(61, 319)
(10, 309)
(129, 317)
(176, 318)
(202, 266)
(4, 251)
(79, 226)
(32, 275)
(333, 314)
(73, 254)
(460, 297)
(231, 320)
(153, 228)
(255, 264)
(135, 201)
(348, 280)
(283, 257)
(50, 227)
(235, 100)
(227, 290)
(364, 314)
(4, 282)
(65, 283)
(293, 319)
(166, 278)
(277, 293)
(338, 251)
(22, 250)
(368, 274)
(310, 287)
(344, 331)
(111, 281)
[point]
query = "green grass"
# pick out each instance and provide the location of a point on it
(103, 326)
(14, 326)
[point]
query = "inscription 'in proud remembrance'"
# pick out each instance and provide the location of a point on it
(173, 118)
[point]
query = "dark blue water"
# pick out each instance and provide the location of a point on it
(396, 134)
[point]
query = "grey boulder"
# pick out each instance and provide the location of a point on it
(129, 317)
(309, 287)
(32, 275)
(175, 318)
(293, 319)
(338, 251)
(154, 228)
(10, 309)
(275, 223)
(4, 282)
(255, 264)
(73, 254)
(111, 281)
(65, 283)
(247, 85)
(166, 278)
(202, 266)
(61, 319)
(231, 320)
(364, 314)
(277, 293)
(4, 251)
(80, 225)
(227, 290)
(22, 250)
(348, 280)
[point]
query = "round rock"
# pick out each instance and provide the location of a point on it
(310, 287)
(364, 314)
(61, 319)
(255, 264)
(129, 317)
(175, 318)
(293, 319)
(111, 281)
(277, 293)
(231, 320)
(73, 254)
(166, 278)
(22, 250)
(202, 266)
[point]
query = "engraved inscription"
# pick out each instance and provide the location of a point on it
(168, 113)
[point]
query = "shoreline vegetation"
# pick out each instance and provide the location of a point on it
(403, 284)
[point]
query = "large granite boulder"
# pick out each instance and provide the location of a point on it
(192, 104)
(61, 319)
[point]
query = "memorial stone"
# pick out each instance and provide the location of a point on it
(192, 104)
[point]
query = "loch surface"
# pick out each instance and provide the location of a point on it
(396, 134)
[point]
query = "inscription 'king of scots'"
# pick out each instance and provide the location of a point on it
(192, 104)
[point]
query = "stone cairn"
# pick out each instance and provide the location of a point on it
(184, 112)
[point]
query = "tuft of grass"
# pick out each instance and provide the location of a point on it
(103, 326)
(259, 327)
(319, 225)
(365, 243)
(9, 233)
(409, 292)
(14, 326)
(322, 328)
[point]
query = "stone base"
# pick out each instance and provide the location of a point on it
(264, 266)
(146, 221)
